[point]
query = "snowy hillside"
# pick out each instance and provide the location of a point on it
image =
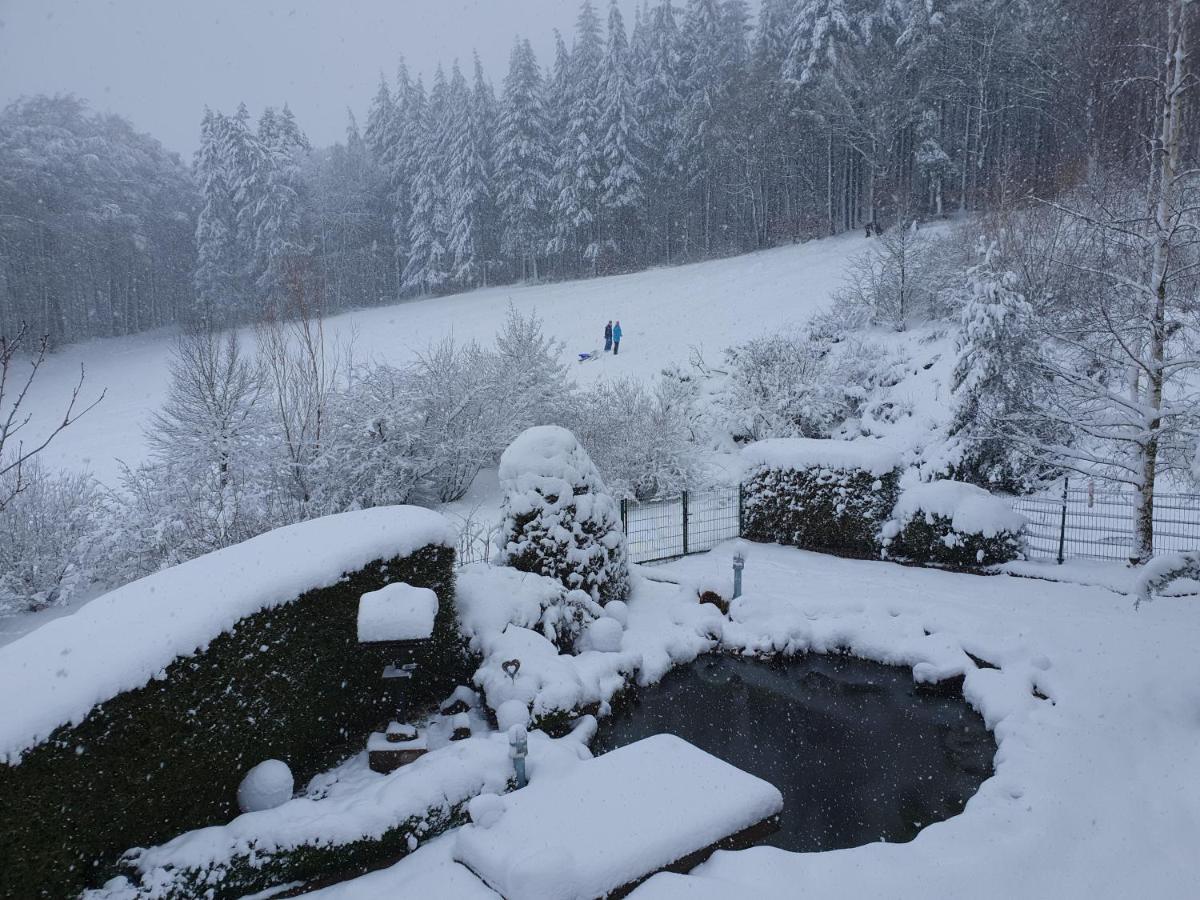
(663, 312)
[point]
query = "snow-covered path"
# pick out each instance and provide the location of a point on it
(663, 312)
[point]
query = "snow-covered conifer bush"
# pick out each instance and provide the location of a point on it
(998, 383)
(49, 538)
(952, 524)
(559, 519)
(819, 494)
(639, 439)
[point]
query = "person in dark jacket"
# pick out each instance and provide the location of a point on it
(616, 336)
(608, 336)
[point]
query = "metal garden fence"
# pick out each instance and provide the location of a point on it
(1092, 523)
(677, 526)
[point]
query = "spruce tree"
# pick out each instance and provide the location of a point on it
(216, 226)
(523, 162)
(426, 269)
(622, 189)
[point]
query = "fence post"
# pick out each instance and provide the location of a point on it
(1062, 522)
(685, 524)
(625, 516)
(741, 509)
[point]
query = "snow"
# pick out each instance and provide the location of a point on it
(57, 673)
(603, 635)
(1094, 792)
(510, 713)
(806, 453)
(790, 283)
(606, 822)
(267, 785)
(970, 508)
(397, 612)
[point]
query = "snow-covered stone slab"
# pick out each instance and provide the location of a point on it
(612, 821)
(397, 612)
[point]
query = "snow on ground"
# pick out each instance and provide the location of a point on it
(660, 313)
(1094, 793)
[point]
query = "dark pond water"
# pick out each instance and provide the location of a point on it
(859, 753)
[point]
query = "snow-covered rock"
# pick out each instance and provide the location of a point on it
(266, 786)
(397, 612)
(619, 610)
(486, 810)
(55, 675)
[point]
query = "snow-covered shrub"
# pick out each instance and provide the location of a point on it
(49, 538)
(1162, 571)
(559, 519)
(953, 524)
(286, 680)
(818, 494)
(901, 277)
(640, 440)
(998, 384)
(779, 386)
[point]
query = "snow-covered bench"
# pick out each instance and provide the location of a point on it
(607, 824)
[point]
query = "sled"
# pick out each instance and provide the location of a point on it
(588, 357)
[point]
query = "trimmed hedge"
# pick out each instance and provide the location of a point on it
(291, 682)
(833, 510)
(931, 539)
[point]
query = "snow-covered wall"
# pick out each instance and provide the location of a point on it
(138, 717)
(56, 674)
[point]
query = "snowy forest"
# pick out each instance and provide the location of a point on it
(694, 131)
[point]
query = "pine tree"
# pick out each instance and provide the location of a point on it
(469, 185)
(278, 242)
(622, 197)
(216, 254)
(578, 167)
(523, 162)
(426, 269)
(659, 79)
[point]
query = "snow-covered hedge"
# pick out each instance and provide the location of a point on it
(559, 520)
(138, 716)
(954, 524)
(819, 494)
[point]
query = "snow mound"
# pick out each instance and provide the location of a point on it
(603, 635)
(266, 786)
(120, 641)
(810, 453)
(590, 828)
(968, 507)
(397, 612)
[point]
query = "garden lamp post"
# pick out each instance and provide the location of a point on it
(739, 563)
(518, 749)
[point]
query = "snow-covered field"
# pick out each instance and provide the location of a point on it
(663, 312)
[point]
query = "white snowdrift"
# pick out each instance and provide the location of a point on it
(118, 642)
(969, 507)
(806, 453)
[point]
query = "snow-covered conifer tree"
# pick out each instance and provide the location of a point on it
(559, 519)
(427, 266)
(216, 228)
(622, 188)
(523, 162)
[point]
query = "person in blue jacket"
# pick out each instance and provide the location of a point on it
(617, 338)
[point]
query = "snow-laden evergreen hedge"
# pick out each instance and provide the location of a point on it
(952, 524)
(824, 495)
(137, 717)
(559, 520)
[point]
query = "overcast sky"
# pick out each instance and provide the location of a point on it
(158, 62)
